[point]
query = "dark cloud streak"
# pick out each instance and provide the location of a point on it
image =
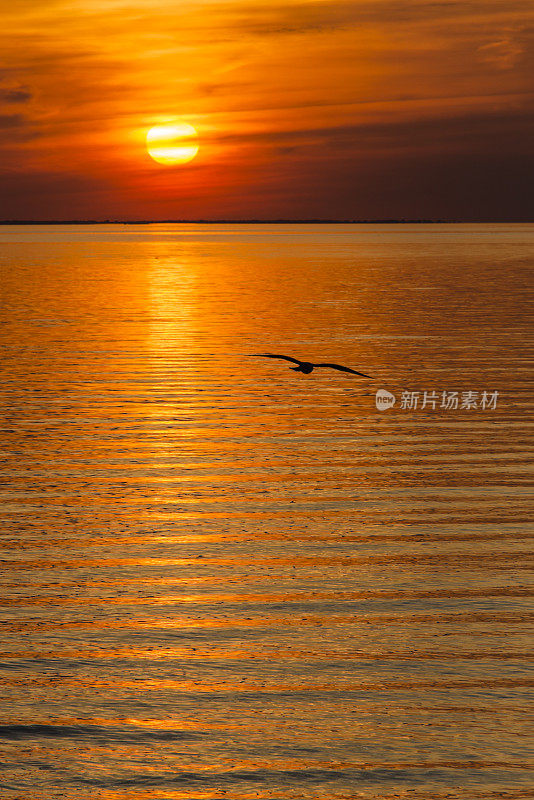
(470, 132)
(274, 19)
(14, 95)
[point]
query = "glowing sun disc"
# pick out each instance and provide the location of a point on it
(172, 144)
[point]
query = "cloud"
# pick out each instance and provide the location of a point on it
(273, 19)
(503, 53)
(16, 128)
(14, 95)
(10, 121)
(474, 132)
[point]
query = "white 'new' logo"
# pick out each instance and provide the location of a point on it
(384, 399)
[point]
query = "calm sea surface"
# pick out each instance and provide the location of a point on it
(225, 579)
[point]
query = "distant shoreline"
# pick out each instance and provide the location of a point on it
(262, 222)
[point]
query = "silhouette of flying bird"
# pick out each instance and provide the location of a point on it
(306, 366)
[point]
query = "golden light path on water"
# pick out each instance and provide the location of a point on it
(223, 579)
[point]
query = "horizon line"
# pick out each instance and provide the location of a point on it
(281, 221)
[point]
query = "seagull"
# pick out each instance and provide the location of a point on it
(306, 366)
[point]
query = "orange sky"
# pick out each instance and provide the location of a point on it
(308, 108)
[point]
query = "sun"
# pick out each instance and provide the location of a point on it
(172, 144)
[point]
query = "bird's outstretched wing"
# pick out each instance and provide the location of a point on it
(273, 355)
(343, 369)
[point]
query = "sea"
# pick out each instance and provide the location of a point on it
(224, 579)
